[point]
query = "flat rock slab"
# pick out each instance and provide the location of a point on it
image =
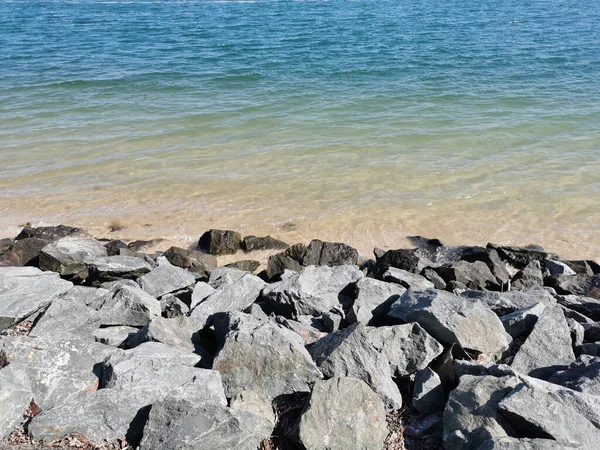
(589, 307)
(522, 321)
(507, 302)
(26, 291)
(453, 319)
(343, 413)
(374, 299)
(15, 396)
(112, 268)
(509, 443)
(165, 278)
(407, 279)
(128, 305)
(67, 255)
(114, 336)
(252, 243)
(428, 394)
(177, 332)
(583, 375)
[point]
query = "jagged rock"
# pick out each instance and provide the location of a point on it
(521, 256)
(229, 297)
(251, 243)
(411, 260)
(15, 396)
(114, 336)
(507, 302)
(464, 367)
(558, 268)
(225, 275)
(255, 310)
(56, 370)
(522, 321)
(583, 375)
(25, 292)
(48, 234)
(374, 299)
(471, 417)
(552, 412)
(407, 279)
(432, 275)
(316, 290)
(177, 424)
(200, 292)
(111, 268)
(320, 253)
(548, 347)
(279, 263)
(68, 255)
(332, 320)
(246, 265)
(334, 420)
(171, 306)
(141, 244)
(25, 252)
(304, 327)
(349, 353)
(453, 319)
(177, 332)
(127, 305)
(577, 332)
(165, 278)
(187, 259)
(528, 278)
(509, 443)
(254, 402)
(591, 332)
(490, 257)
(264, 357)
(584, 267)
(408, 348)
(474, 275)
(113, 247)
(587, 306)
(592, 349)
(584, 285)
(220, 242)
(428, 395)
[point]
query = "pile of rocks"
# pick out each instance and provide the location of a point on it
(488, 348)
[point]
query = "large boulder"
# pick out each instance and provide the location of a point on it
(68, 255)
(25, 252)
(15, 396)
(220, 242)
(374, 299)
(474, 275)
(407, 279)
(165, 278)
(319, 253)
(348, 353)
(453, 319)
(127, 305)
(252, 243)
(521, 322)
(529, 278)
(520, 257)
(411, 260)
(191, 259)
(584, 285)
(587, 306)
(49, 233)
(111, 268)
(177, 332)
(507, 302)
(583, 375)
(428, 394)
(24, 292)
(342, 413)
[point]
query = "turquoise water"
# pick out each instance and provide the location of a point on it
(364, 121)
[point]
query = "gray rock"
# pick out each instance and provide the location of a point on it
(407, 279)
(528, 278)
(464, 367)
(171, 306)
(490, 257)
(252, 243)
(165, 278)
(231, 297)
(374, 299)
(220, 242)
(68, 255)
(320, 253)
(114, 336)
(113, 247)
(432, 275)
(428, 395)
(25, 293)
(584, 267)
(548, 347)
(246, 265)
(577, 332)
(349, 353)
(592, 349)
(474, 275)
(254, 402)
(521, 256)
(112, 268)
(256, 311)
(587, 306)
(471, 417)
(15, 396)
(408, 348)
(560, 414)
(304, 327)
(506, 302)
(558, 268)
(591, 332)
(177, 332)
(583, 375)
(584, 285)
(130, 306)
(334, 420)
(522, 321)
(188, 259)
(413, 260)
(26, 251)
(48, 234)
(509, 443)
(264, 357)
(225, 275)
(279, 263)
(453, 319)
(332, 320)
(200, 292)
(177, 424)
(85, 295)
(315, 291)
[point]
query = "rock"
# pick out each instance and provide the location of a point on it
(407, 279)
(177, 424)
(246, 265)
(373, 300)
(584, 285)
(428, 394)
(491, 258)
(113, 247)
(165, 278)
(304, 327)
(200, 292)
(315, 291)
(411, 260)
(507, 302)
(592, 349)
(582, 375)
(474, 275)
(252, 243)
(254, 402)
(509, 443)
(320, 253)
(432, 275)
(187, 259)
(225, 275)
(127, 305)
(111, 268)
(587, 306)
(48, 234)
(68, 255)
(26, 252)
(577, 332)
(15, 396)
(279, 263)
(171, 306)
(349, 353)
(140, 245)
(332, 321)
(264, 357)
(232, 297)
(591, 331)
(548, 347)
(559, 414)
(471, 417)
(584, 267)
(334, 420)
(528, 278)
(521, 256)
(220, 242)
(6, 244)
(25, 293)
(177, 332)
(408, 348)
(256, 311)
(114, 336)
(522, 321)
(558, 268)
(453, 319)
(57, 370)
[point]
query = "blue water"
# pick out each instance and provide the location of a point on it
(467, 119)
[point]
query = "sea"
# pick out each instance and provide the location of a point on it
(365, 121)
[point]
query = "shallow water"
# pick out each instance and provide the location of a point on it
(362, 121)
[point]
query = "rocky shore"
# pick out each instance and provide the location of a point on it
(104, 345)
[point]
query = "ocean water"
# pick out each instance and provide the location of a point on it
(360, 121)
